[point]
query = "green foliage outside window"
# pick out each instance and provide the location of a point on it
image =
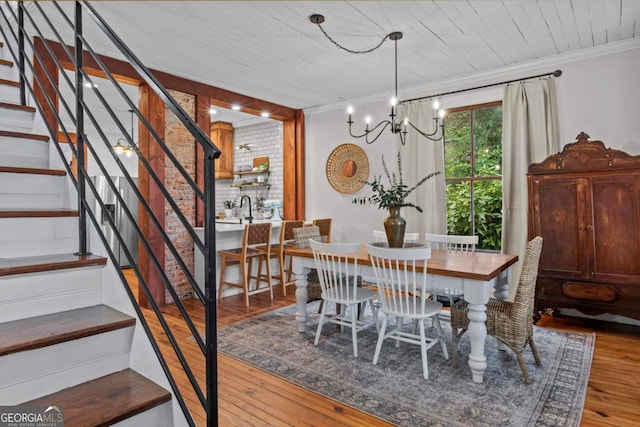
(473, 158)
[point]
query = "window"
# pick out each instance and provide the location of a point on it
(473, 176)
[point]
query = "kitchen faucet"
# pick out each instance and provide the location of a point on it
(250, 217)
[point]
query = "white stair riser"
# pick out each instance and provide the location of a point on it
(16, 120)
(36, 294)
(34, 373)
(38, 236)
(8, 72)
(21, 152)
(158, 416)
(9, 93)
(29, 191)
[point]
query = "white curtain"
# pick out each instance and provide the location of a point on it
(421, 157)
(529, 135)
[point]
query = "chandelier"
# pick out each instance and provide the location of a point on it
(399, 127)
(122, 145)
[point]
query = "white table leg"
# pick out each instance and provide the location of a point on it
(477, 335)
(477, 295)
(501, 289)
(301, 296)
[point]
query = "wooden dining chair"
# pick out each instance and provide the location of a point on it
(324, 225)
(338, 281)
(403, 294)
(509, 322)
(254, 235)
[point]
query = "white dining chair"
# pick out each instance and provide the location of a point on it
(454, 244)
(404, 294)
(338, 276)
(381, 236)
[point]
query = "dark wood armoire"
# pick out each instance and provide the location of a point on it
(585, 203)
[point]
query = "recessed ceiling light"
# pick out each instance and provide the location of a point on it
(264, 114)
(235, 107)
(212, 111)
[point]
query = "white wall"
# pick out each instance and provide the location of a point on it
(600, 96)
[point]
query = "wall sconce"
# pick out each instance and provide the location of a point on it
(244, 147)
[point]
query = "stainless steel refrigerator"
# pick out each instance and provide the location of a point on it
(113, 208)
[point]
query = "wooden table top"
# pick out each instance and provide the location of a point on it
(482, 266)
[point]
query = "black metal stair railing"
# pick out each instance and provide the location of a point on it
(13, 28)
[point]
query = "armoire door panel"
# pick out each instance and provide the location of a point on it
(561, 224)
(616, 204)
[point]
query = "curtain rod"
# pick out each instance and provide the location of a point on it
(556, 73)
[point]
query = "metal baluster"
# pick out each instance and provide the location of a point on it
(210, 286)
(82, 213)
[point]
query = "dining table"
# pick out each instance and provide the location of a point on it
(477, 275)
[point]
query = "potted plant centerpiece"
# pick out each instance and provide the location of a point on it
(392, 198)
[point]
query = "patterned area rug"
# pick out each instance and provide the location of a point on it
(395, 391)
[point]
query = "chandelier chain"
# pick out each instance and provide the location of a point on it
(349, 50)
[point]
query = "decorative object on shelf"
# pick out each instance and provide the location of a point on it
(228, 208)
(392, 198)
(397, 127)
(347, 168)
(122, 145)
(244, 147)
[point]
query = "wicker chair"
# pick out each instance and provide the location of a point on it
(509, 322)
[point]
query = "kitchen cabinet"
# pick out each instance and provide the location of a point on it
(221, 133)
(585, 203)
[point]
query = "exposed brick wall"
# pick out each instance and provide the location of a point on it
(266, 141)
(182, 144)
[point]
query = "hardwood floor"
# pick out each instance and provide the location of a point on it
(250, 397)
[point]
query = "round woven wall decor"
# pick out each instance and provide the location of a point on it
(347, 168)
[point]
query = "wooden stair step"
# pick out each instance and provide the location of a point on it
(33, 171)
(11, 106)
(37, 213)
(106, 400)
(6, 62)
(23, 135)
(9, 83)
(33, 264)
(50, 329)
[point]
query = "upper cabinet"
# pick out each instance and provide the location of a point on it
(222, 135)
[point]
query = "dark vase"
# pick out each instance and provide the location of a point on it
(394, 226)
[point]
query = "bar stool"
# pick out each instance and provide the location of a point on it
(254, 235)
(277, 251)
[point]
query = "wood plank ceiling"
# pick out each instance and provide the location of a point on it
(270, 50)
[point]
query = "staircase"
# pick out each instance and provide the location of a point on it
(61, 344)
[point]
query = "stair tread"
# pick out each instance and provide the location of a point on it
(11, 106)
(49, 329)
(9, 82)
(32, 264)
(24, 135)
(106, 400)
(34, 171)
(36, 213)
